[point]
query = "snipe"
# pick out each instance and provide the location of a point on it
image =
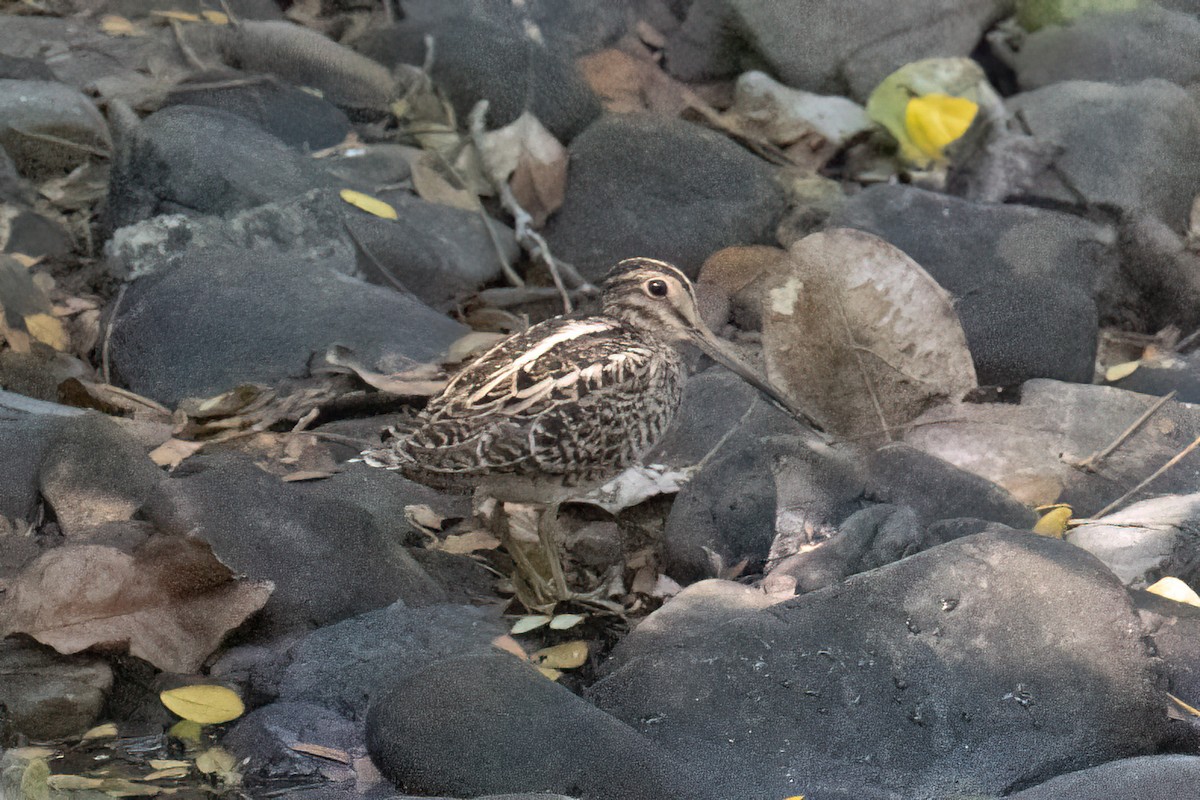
(554, 411)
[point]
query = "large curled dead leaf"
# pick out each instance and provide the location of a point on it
(855, 331)
(171, 602)
(533, 162)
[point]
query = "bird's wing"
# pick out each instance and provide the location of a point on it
(495, 414)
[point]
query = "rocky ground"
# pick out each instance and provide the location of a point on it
(240, 240)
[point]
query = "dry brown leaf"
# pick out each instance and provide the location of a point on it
(308, 475)
(532, 161)
(173, 452)
(434, 187)
(112, 400)
(857, 333)
(627, 83)
(510, 645)
(469, 542)
(470, 345)
(420, 381)
(171, 602)
(321, 751)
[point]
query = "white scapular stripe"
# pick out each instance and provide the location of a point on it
(569, 332)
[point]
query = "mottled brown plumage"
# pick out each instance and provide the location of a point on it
(564, 406)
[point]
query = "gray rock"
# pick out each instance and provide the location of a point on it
(27, 427)
(1163, 276)
(662, 188)
(481, 724)
(1175, 630)
(300, 119)
(437, 252)
(868, 539)
(570, 27)
(86, 58)
(24, 69)
(821, 47)
(265, 736)
(935, 649)
(1113, 48)
(305, 57)
(328, 559)
(31, 111)
(222, 317)
(728, 508)
(1029, 448)
(49, 696)
(1166, 777)
(93, 472)
(384, 495)
(340, 666)
(935, 489)
(482, 57)
(133, 9)
(195, 160)
(1147, 540)
(1094, 123)
(1012, 268)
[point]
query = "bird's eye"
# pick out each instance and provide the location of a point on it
(656, 288)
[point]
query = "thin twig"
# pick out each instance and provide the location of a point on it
(375, 262)
(232, 83)
(508, 296)
(234, 22)
(188, 53)
(1090, 463)
(531, 241)
(1174, 460)
(505, 266)
(58, 140)
(108, 329)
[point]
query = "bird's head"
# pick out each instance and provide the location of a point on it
(658, 298)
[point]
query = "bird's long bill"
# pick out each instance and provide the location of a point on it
(714, 349)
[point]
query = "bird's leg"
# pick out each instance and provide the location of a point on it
(548, 533)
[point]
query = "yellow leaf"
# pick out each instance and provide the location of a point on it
(935, 120)
(106, 731)
(1118, 371)
(1054, 522)
(47, 329)
(115, 25)
(203, 703)
(169, 763)
(529, 623)
(552, 674)
(368, 204)
(182, 16)
(216, 759)
(1175, 589)
(169, 772)
(562, 656)
(215, 17)
(186, 731)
